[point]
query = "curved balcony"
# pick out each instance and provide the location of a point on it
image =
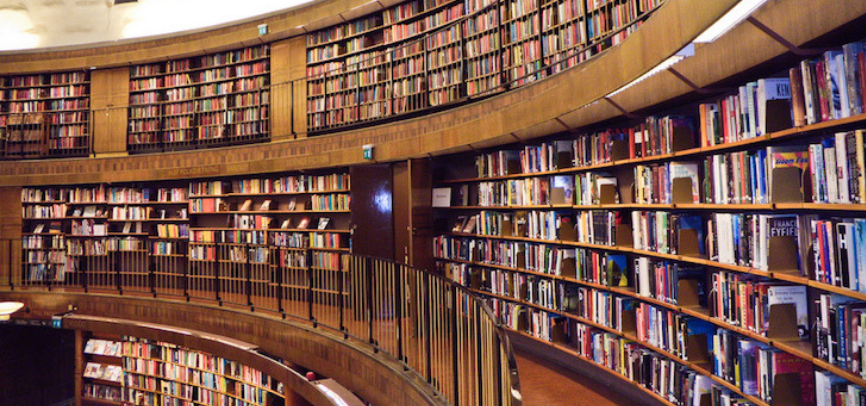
(560, 103)
(388, 332)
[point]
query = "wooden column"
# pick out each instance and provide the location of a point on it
(412, 213)
(288, 94)
(109, 100)
(10, 235)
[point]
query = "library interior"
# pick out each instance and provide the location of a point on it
(435, 203)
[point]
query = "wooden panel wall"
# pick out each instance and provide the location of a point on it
(298, 74)
(10, 234)
(281, 90)
(109, 100)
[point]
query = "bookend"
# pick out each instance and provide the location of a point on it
(521, 320)
(706, 399)
(557, 330)
(687, 292)
(782, 253)
(786, 390)
(624, 236)
(607, 194)
(568, 269)
(683, 138)
(778, 115)
(783, 323)
(619, 150)
(521, 257)
(475, 279)
(567, 233)
(628, 322)
(789, 185)
(689, 244)
(507, 229)
(697, 350)
(681, 191)
(564, 159)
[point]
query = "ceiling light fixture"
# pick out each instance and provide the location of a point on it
(730, 20)
(684, 53)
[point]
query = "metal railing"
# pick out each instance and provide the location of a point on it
(45, 135)
(433, 326)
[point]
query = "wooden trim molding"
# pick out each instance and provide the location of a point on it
(373, 376)
(532, 111)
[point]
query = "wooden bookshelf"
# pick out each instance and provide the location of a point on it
(434, 53)
(598, 226)
(214, 100)
(232, 240)
(101, 370)
(45, 115)
(162, 373)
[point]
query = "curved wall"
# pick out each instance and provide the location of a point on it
(355, 365)
(561, 103)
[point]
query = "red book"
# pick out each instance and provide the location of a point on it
(631, 151)
(861, 68)
(784, 362)
(823, 91)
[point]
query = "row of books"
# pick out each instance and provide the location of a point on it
(200, 63)
(649, 369)
(524, 59)
(44, 79)
(95, 370)
(286, 184)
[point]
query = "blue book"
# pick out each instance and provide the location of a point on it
(860, 246)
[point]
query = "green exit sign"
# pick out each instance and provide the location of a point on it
(368, 151)
(263, 29)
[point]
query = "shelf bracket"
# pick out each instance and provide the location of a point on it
(618, 107)
(688, 82)
(562, 123)
(781, 40)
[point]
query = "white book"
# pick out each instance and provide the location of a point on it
(796, 295)
(842, 167)
(841, 84)
(830, 170)
(770, 89)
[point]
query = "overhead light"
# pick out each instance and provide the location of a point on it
(733, 17)
(684, 53)
(125, 1)
(7, 308)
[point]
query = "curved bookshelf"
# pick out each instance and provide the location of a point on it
(539, 225)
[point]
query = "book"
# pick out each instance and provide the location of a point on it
(246, 205)
(323, 223)
(441, 197)
(794, 294)
(773, 109)
(302, 225)
(785, 363)
(787, 157)
(287, 223)
(266, 205)
(617, 270)
(687, 170)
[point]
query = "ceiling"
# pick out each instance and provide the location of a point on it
(31, 24)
